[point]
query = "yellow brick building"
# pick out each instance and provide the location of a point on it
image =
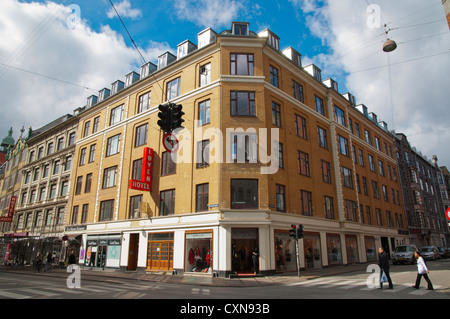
(231, 187)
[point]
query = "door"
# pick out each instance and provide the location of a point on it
(161, 254)
(133, 252)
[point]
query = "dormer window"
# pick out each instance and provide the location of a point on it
(116, 86)
(131, 78)
(146, 69)
(165, 59)
(240, 28)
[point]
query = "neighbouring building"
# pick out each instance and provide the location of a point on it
(45, 186)
(267, 144)
(422, 195)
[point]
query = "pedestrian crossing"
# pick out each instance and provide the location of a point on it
(361, 284)
(127, 291)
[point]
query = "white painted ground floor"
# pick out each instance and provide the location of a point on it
(222, 243)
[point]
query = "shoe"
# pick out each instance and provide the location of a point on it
(390, 287)
(415, 287)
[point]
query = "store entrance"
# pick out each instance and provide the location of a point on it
(244, 241)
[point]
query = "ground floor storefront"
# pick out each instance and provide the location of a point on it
(226, 243)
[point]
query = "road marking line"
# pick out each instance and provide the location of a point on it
(38, 292)
(13, 295)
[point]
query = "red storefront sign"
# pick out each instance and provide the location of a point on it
(11, 209)
(145, 184)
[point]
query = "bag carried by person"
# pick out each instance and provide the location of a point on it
(383, 277)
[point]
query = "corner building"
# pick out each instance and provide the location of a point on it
(231, 188)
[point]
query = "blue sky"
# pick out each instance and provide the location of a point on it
(407, 88)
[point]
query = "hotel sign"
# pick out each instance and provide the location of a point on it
(11, 209)
(145, 184)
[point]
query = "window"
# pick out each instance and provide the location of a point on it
(71, 138)
(242, 103)
(78, 185)
(364, 181)
(52, 191)
(379, 217)
(168, 165)
(274, 76)
(136, 174)
(141, 135)
(55, 167)
(376, 191)
(322, 133)
(203, 112)
(203, 153)
(243, 147)
(244, 194)
(50, 148)
(339, 115)
(64, 188)
(68, 163)
(205, 74)
(116, 115)
(381, 167)
(280, 155)
(87, 127)
(280, 198)
(368, 137)
(240, 28)
(106, 210)
(329, 207)
(87, 185)
(134, 206)
(276, 114)
(306, 202)
(350, 211)
(60, 144)
(357, 132)
(202, 192)
(167, 202)
(343, 146)
(303, 163)
(42, 193)
(92, 153)
(241, 64)
(319, 105)
(109, 177)
(361, 157)
(372, 163)
(82, 156)
(348, 178)
(144, 102)
(385, 193)
(298, 91)
(326, 174)
(173, 89)
(113, 145)
(377, 143)
(84, 213)
(96, 124)
(300, 126)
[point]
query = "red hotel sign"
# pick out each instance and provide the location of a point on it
(145, 184)
(11, 209)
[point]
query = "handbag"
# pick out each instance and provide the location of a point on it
(383, 277)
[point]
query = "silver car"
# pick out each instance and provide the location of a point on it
(404, 254)
(430, 253)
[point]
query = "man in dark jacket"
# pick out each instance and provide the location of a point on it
(384, 266)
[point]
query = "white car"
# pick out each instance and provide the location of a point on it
(430, 253)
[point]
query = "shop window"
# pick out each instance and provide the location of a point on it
(198, 253)
(334, 249)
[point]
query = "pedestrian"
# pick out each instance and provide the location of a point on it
(422, 271)
(38, 262)
(384, 266)
(48, 262)
(72, 258)
(255, 256)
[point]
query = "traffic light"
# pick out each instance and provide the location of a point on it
(293, 231)
(164, 115)
(176, 119)
(299, 231)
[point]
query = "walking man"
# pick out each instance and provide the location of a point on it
(384, 265)
(422, 271)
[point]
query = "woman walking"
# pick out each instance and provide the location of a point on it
(422, 271)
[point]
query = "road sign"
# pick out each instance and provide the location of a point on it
(447, 213)
(170, 143)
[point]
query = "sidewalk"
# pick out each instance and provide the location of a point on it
(109, 275)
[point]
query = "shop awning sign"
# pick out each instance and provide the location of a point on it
(11, 209)
(145, 184)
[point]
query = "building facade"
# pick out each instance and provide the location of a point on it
(45, 186)
(266, 144)
(421, 191)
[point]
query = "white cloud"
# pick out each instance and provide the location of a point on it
(416, 81)
(209, 13)
(125, 11)
(43, 43)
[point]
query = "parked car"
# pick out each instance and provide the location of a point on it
(444, 252)
(430, 253)
(404, 254)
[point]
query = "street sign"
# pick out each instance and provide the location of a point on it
(447, 213)
(170, 143)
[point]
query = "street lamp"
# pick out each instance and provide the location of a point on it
(389, 45)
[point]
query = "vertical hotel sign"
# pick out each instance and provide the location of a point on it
(11, 209)
(145, 184)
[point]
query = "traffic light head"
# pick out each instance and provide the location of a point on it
(177, 116)
(164, 115)
(300, 231)
(293, 231)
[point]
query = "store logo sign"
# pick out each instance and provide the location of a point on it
(11, 209)
(145, 184)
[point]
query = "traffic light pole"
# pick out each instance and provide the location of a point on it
(298, 256)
